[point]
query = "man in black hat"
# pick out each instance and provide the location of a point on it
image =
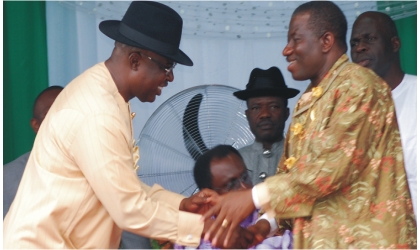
(266, 97)
(80, 188)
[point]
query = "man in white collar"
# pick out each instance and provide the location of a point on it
(266, 96)
(375, 45)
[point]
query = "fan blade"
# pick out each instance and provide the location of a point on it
(191, 133)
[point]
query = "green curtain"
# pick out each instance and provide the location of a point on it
(25, 72)
(407, 31)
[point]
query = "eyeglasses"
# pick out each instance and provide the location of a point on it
(168, 70)
(236, 183)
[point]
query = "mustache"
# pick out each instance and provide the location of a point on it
(265, 122)
(359, 59)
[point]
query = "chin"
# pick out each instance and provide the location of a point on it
(266, 137)
(299, 77)
(147, 99)
(270, 137)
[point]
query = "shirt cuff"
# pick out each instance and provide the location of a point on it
(273, 224)
(190, 229)
(261, 198)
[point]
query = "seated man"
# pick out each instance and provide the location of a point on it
(222, 169)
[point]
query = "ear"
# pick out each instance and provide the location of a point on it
(35, 125)
(287, 113)
(134, 60)
(396, 44)
(327, 41)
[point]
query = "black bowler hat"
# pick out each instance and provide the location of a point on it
(152, 26)
(268, 82)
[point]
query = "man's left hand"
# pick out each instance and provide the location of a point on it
(200, 202)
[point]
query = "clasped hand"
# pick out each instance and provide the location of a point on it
(200, 202)
(232, 208)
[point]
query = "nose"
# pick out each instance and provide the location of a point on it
(265, 112)
(361, 47)
(287, 51)
(170, 76)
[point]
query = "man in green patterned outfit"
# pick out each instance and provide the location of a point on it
(341, 177)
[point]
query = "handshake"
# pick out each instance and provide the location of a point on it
(229, 219)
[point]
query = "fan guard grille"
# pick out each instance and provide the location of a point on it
(164, 158)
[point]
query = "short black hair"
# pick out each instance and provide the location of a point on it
(387, 23)
(325, 16)
(54, 87)
(202, 173)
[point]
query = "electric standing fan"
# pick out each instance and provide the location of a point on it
(184, 127)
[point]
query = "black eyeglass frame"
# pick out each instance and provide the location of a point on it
(167, 70)
(244, 178)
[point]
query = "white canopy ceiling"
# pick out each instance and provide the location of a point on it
(225, 40)
(241, 19)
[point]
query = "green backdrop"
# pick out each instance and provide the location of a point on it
(407, 31)
(25, 68)
(25, 72)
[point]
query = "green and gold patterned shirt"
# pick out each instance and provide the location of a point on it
(341, 176)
